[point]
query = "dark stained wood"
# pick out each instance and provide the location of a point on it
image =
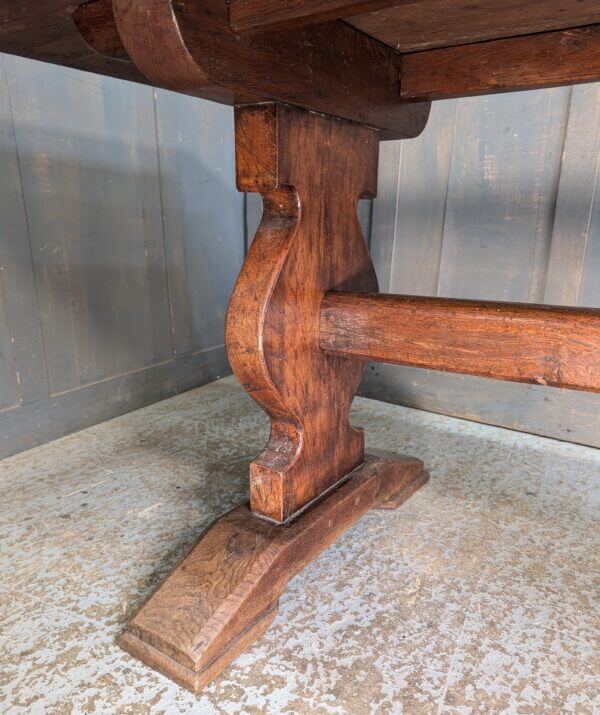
(507, 341)
(253, 15)
(425, 24)
(330, 68)
(45, 30)
(297, 347)
(311, 171)
(96, 23)
(225, 592)
(548, 59)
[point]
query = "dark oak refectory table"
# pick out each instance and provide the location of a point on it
(316, 86)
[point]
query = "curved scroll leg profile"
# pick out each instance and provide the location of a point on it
(313, 480)
(311, 171)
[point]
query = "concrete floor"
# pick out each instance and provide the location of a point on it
(479, 595)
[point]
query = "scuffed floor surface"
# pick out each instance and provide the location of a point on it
(480, 594)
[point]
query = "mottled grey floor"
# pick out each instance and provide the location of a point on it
(478, 595)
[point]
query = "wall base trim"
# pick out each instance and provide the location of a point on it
(35, 423)
(567, 415)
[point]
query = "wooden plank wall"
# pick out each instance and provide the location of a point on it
(499, 199)
(122, 235)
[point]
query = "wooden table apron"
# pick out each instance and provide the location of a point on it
(316, 86)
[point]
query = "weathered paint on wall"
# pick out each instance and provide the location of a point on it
(122, 234)
(499, 199)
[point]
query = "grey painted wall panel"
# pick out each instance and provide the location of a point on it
(87, 152)
(501, 195)
(122, 235)
(14, 231)
(122, 249)
(561, 414)
(575, 228)
(521, 222)
(589, 291)
(9, 394)
(203, 214)
(23, 375)
(43, 420)
(421, 205)
(385, 212)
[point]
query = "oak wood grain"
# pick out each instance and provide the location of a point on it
(96, 23)
(225, 592)
(46, 30)
(508, 341)
(253, 15)
(548, 59)
(330, 68)
(425, 24)
(311, 171)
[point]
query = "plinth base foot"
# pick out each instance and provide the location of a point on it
(225, 592)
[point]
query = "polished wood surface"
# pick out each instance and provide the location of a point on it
(46, 30)
(314, 94)
(507, 341)
(427, 24)
(545, 60)
(310, 171)
(225, 592)
(255, 15)
(96, 24)
(313, 475)
(306, 54)
(331, 68)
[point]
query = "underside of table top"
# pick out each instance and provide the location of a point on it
(305, 315)
(377, 62)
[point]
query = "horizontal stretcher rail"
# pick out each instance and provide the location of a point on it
(518, 342)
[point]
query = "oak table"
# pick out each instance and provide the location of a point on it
(316, 86)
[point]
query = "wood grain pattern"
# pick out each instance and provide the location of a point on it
(330, 68)
(45, 30)
(253, 15)
(549, 59)
(95, 21)
(507, 341)
(225, 592)
(425, 24)
(311, 171)
(492, 218)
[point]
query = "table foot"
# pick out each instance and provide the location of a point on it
(225, 592)
(416, 477)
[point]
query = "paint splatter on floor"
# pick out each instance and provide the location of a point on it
(480, 594)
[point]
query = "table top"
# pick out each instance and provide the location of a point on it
(342, 57)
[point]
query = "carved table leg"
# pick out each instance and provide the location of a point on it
(312, 481)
